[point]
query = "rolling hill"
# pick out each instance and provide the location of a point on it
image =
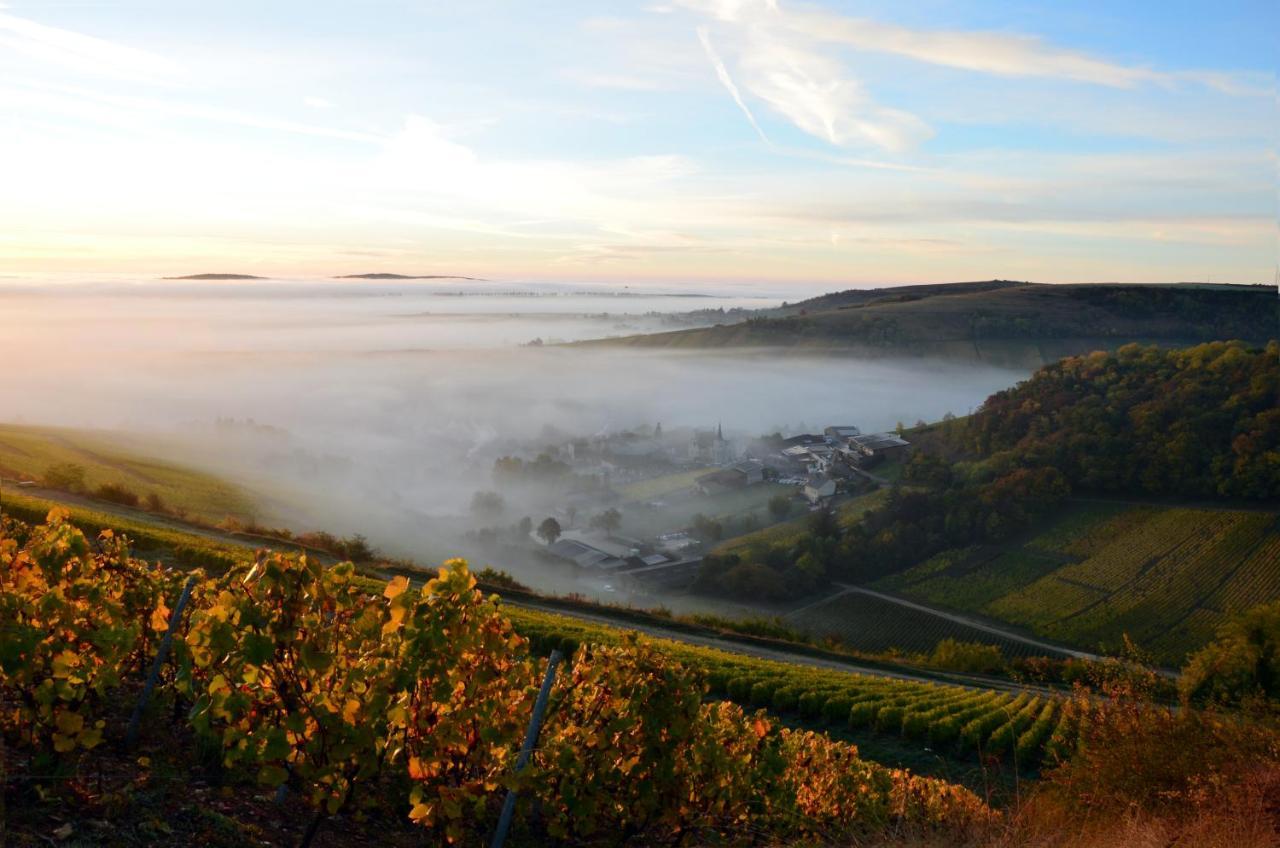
(998, 321)
(1166, 576)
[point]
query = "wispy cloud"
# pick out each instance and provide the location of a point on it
(1003, 54)
(812, 90)
(620, 82)
(64, 47)
(727, 81)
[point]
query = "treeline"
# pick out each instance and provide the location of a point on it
(1199, 422)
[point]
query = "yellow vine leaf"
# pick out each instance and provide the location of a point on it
(160, 618)
(396, 587)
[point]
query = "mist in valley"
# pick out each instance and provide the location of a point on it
(381, 409)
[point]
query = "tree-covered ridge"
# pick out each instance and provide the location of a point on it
(1199, 422)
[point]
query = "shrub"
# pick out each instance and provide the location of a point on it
(740, 689)
(971, 657)
(75, 622)
(862, 714)
(115, 493)
(65, 475)
(810, 704)
(785, 699)
(889, 719)
(1242, 666)
(836, 709)
(915, 725)
(944, 731)
(761, 694)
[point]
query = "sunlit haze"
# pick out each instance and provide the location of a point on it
(791, 145)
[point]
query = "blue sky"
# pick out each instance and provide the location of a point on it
(671, 141)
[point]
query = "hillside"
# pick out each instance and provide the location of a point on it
(387, 276)
(987, 522)
(117, 468)
(1168, 577)
(216, 277)
(997, 321)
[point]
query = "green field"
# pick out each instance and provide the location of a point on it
(752, 545)
(28, 453)
(666, 484)
(1164, 576)
(874, 625)
(678, 511)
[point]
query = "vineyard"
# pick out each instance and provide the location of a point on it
(355, 696)
(949, 719)
(1166, 577)
(874, 625)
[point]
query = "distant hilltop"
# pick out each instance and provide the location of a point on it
(382, 276)
(216, 277)
(1001, 322)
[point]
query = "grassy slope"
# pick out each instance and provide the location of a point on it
(1166, 576)
(152, 541)
(751, 545)
(1013, 324)
(28, 452)
(666, 484)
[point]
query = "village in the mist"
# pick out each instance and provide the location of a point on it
(451, 418)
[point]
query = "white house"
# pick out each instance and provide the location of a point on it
(819, 489)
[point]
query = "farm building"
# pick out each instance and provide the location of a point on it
(584, 555)
(879, 445)
(819, 488)
(721, 480)
(840, 433)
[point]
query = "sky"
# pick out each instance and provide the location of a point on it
(669, 142)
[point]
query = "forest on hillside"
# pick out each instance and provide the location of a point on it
(1194, 423)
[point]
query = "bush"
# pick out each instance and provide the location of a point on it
(740, 689)
(862, 714)
(915, 725)
(761, 694)
(718, 682)
(1242, 666)
(115, 493)
(836, 709)
(810, 704)
(944, 731)
(889, 719)
(785, 699)
(65, 475)
(970, 657)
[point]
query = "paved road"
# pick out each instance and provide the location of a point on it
(846, 589)
(168, 522)
(729, 645)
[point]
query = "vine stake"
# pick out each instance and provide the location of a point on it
(131, 736)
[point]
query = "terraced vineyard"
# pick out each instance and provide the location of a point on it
(1030, 729)
(870, 624)
(1166, 577)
